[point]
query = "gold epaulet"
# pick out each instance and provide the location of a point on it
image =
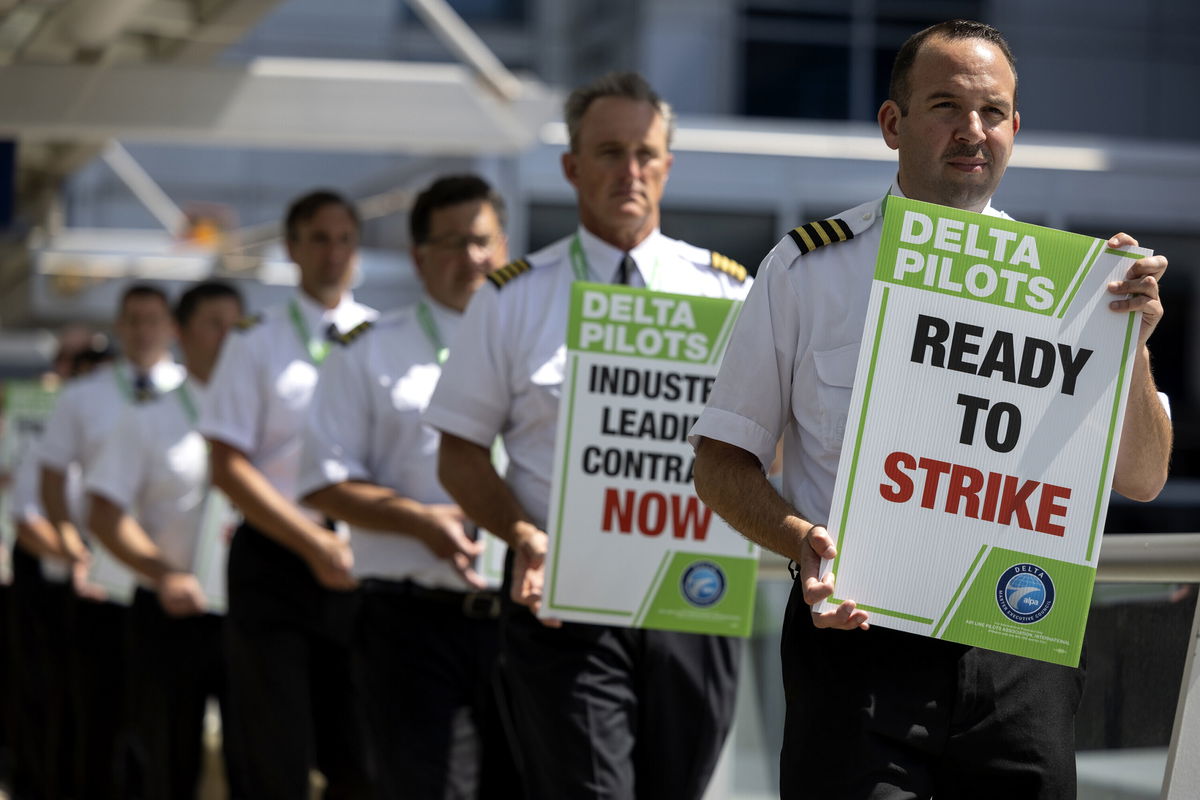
(811, 235)
(246, 323)
(730, 267)
(349, 336)
(508, 272)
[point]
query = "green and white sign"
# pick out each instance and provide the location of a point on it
(630, 543)
(982, 433)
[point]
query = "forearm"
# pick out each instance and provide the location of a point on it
(38, 537)
(466, 471)
(261, 503)
(53, 492)
(731, 482)
(368, 505)
(1144, 453)
(127, 540)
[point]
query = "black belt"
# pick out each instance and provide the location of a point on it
(473, 605)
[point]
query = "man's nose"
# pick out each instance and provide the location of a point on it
(970, 128)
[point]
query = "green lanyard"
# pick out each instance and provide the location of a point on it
(579, 260)
(429, 325)
(579, 263)
(317, 348)
(189, 405)
(123, 384)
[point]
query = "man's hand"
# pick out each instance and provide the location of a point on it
(818, 545)
(446, 537)
(529, 569)
(330, 561)
(180, 595)
(1141, 283)
(82, 585)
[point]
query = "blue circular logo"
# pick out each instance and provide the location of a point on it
(703, 584)
(1025, 593)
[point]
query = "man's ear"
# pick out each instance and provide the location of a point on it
(889, 123)
(570, 167)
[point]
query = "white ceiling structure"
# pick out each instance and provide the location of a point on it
(78, 75)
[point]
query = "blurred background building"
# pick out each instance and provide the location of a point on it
(161, 139)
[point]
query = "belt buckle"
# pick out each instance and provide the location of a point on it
(481, 605)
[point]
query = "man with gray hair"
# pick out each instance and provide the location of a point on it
(597, 711)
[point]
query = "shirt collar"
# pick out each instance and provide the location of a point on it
(895, 190)
(603, 258)
(163, 374)
(317, 317)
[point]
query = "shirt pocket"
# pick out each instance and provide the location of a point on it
(835, 381)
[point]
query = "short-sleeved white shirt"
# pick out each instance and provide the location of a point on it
(89, 407)
(365, 425)
(789, 367)
(27, 502)
(505, 372)
(259, 392)
(155, 468)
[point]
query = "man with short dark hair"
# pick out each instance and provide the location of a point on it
(290, 609)
(84, 416)
(152, 506)
(598, 711)
(882, 713)
(426, 641)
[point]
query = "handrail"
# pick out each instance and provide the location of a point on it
(1124, 558)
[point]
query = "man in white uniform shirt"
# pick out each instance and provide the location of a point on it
(426, 638)
(288, 623)
(150, 504)
(598, 711)
(84, 416)
(881, 713)
(44, 674)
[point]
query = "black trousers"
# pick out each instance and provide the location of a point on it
(427, 667)
(604, 712)
(175, 665)
(42, 684)
(105, 758)
(886, 715)
(293, 700)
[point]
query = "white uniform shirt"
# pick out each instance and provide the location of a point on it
(505, 371)
(84, 415)
(258, 395)
(365, 425)
(789, 367)
(155, 468)
(89, 407)
(27, 502)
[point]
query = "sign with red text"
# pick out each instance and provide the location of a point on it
(982, 432)
(630, 542)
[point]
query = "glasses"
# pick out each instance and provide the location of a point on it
(453, 244)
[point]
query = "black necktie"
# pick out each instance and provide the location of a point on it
(626, 269)
(143, 389)
(331, 333)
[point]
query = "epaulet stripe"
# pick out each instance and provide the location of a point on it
(246, 323)
(508, 272)
(730, 267)
(811, 235)
(358, 330)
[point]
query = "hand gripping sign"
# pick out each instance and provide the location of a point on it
(630, 542)
(982, 431)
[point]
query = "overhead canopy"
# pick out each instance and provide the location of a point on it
(280, 103)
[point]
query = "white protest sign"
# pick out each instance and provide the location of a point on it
(982, 433)
(630, 542)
